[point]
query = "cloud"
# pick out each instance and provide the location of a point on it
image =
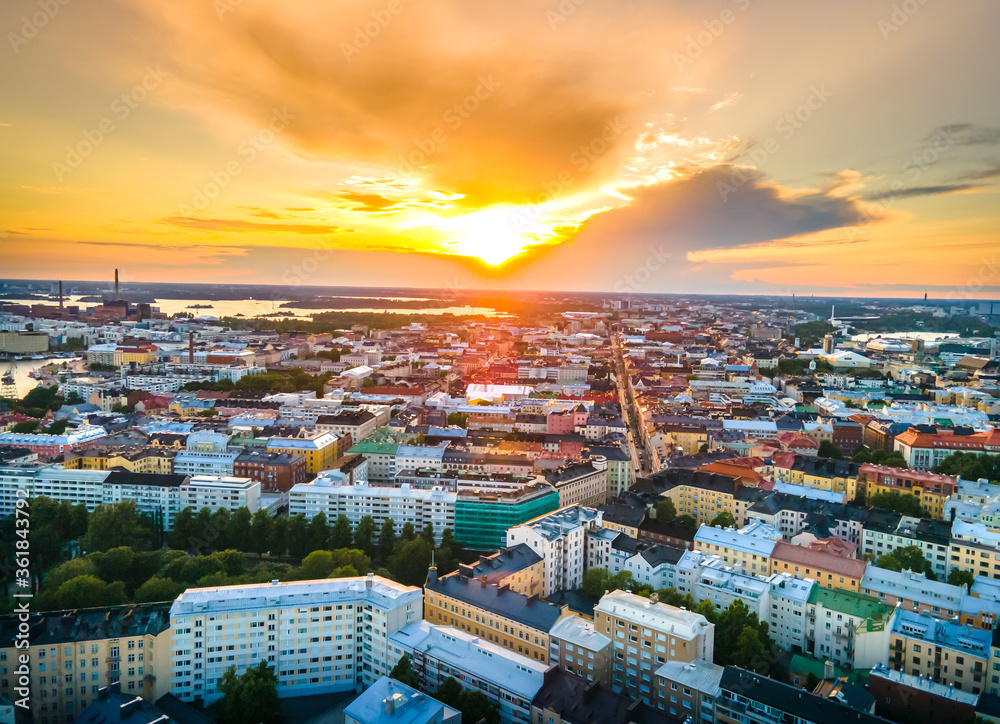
(966, 134)
(241, 225)
(915, 191)
(368, 202)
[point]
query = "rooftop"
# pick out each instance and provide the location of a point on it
(661, 616)
(388, 700)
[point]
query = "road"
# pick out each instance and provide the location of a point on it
(634, 429)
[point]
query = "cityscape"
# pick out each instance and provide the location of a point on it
(544, 362)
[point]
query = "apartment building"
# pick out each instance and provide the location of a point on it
(220, 491)
(707, 578)
(560, 539)
(839, 476)
(329, 495)
(848, 628)
(190, 463)
(146, 459)
(73, 654)
(789, 608)
(975, 548)
(498, 614)
(320, 450)
(701, 495)
(931, 489)
(509, 680)
(827, 569)
(924, 446)
(582, 483)
(273, 470)
(791, 514)
(750, 548)
(482, 519)
(517, 567)
(884, 532)
(946, 652)
(577, 647)
(645, 634)
(50, 446)
(688, 690)
(381, 456)
(320, 636)
(459, 481)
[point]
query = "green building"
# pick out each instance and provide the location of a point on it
(482, 519)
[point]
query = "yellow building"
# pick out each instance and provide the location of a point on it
(931, 490)
(751, 550)
(72, 654)
(703, 495)
(688, 439)
(144, 460)
(141, 354)
(24, 342)
(827, 569)
(519, 568)
(320, 450)
(497, 614)
(838, 476)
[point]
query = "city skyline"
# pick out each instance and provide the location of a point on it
(724, 148)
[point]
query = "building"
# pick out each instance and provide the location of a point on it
(908, 697)
(827, 569)
(329, 495)
(509, 680)
(839, 476)
(567, 698)
(220, 491)
(942, 651)
(708, 578)
(52, 445)
(320, 451)
(357, 424)
(884, 532)
(381, 456)
(112, 705)
(750, 548)
(930, 489)
(482, 519)
(688, 689)
(272, 469)
(560, 539)
(497, 614)
(581, 484)
(74, 654)
(577, 647)
(974, 548)
(188, 462)
(847, 628)
(517, 567)
(749, 698)
(388, 701)
(789, 607)
(925, 446)
(701, 495)
(23, 342)
(320, 636)
(645, 635)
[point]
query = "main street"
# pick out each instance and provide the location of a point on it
(634, 429)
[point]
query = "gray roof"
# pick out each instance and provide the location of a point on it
(526, 610)
(91, 624)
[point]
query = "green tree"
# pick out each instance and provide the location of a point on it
(118, 524)
(319, 533)
(724, 520)
(666, 511)
(318, 564)
(448, 692)
(752, 647)
(260, 531)
(828, 450)
(24, 428)
(251, 697)
(410, 561)
(907, 558)
(57, 428)
(961, 578)
(458, 419)
(340, 534)
(239, 534)
(408, 533)
(279, 536)
(428, 533)
(364, 534)
(86, 592)
(180, 536)
(971, 466)
(476, 706)
(298, 535)
(158, 589)
(904, 503)
(686, 521)
(403, 672)
(386, 539)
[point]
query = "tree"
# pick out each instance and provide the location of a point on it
(86, 592)
(386, 539)
(449, 692)
(318, 564)
(403, 672)
(724, 520)
(298, 535)
(319, 533)
(252, 697)
(704, 448)
(364, 533)
(158, 589)
(904, 503)
(686, 521)
(909, 558)
(24, 428)
(279, 535)
(752, 647)
(666, 511)
(183, 528)
(828, 450)
(428, 533)
(410, 561)
(961, 578)
(476, 706)
(340, 533)
(260, 531)
(118, 524)
(598, 581)
(458, 419)
(971, 466)
(57, 428)
(239, 534)
(408, 533)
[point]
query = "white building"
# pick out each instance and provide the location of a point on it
(327, 495)
(220, 491)
(708, 578)
(559, 538)
(789, 605)
(191, 463)
(320, 636)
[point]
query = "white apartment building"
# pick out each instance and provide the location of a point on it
(187, 462)
(510, 680)
(320, 636)
(789, 605)
(708, 578)
(152, 493)
(411, 457)
(327, 495)
(559, 538)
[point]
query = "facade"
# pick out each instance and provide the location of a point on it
(482, 519)
(358, 424)
(581, 484)
(707, 578)
(273, 470)
(645, 634)
(688, 690)
(509, 680)
(847, 628)
(942, 651)
(52, 445)
(74, 654)
(497, 614)
(884, 532)
(560, 540)
(320, 450)
(187, 462)
(328, 495)
(577, 647)
(517, 567)
(750, 548)
(320, 636)
(701, 495)
(827, 569)
(220, 491)
(789, 607)
(931, 489)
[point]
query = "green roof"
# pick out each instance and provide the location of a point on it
(383, 441)
(808, 665)
(850, 603)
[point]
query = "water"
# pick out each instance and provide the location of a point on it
(926, 336)
(21, 369)
(257, 307)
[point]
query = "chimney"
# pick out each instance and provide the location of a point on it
(191, 347)
(432, 575)
(827, 670)
(390, 705)
(369, 580)
(60, 300)
(654, 598)
(116, 286)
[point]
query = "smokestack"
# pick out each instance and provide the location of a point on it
(116, 286)
(60, 300)
(191, 348)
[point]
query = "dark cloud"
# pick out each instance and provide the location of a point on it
(915, 191)
(965, 134)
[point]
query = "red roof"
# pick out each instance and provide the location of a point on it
(827, 562)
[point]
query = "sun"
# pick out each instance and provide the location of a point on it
(494, 235)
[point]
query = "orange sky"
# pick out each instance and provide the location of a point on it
(729, 146)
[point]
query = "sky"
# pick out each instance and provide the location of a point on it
(733, 146)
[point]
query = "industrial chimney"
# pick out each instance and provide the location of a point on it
(191, 348)
(60, 300)
(116, 286)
